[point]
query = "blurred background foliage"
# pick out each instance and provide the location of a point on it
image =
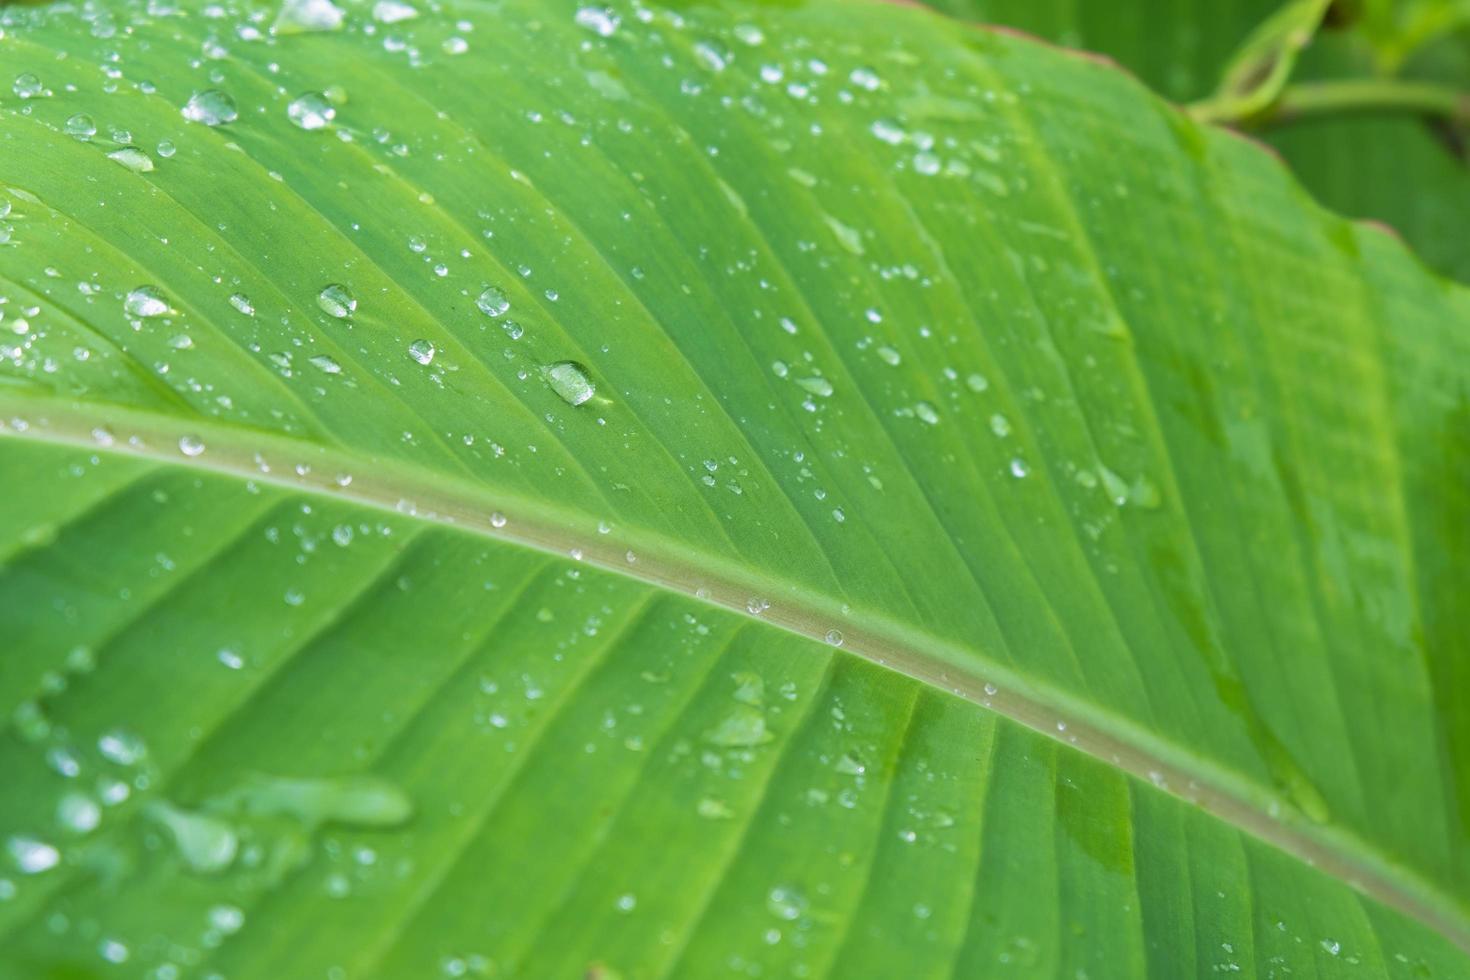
(1407, 171)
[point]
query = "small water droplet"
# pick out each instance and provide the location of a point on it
(242, 304)
(890, 356)
(421, 351)
(627, 902)
(311, 110)
(336, 300)
(211, 107)
(146, 301)
(569, 380)
(1000, 425)
(226, 919)
(191, 445)
(1019, 468)
(497, 519)
(786, 902)
(834, 637)
(927, 413)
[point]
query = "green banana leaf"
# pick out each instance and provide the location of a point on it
(540, 490)
(1396, 171)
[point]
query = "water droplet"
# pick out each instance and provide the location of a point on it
(847, 236)
(493, 301)
(755, 605)
(890, 356)
(851, 765)
(311, 110)
(977, 383)
(927, 413)
(242, 303)
(711, 808)
(78, 813)
(1332, 946)
(33, 856)
(81, 126)
(497, 520)
(113, 951)
(146, 301)
(133, 158)
(205, 843)
(230, 659)
(1019, 468)
(786, 902)
(421, 351)
(166, 149)
(599, 20)
(191, 445)
(627, 902)
(1000, 425)
(816, 385)
(336, 300)
(28, 86)
(990, 690)
(211, 107)
(393, 11)
(226, 919)
(569, 380)
(324, 364)
(122, 747)
(834, 637)
(303, 16)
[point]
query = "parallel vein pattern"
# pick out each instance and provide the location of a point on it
(962, 355)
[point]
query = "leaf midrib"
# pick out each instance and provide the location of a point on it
(392, 486)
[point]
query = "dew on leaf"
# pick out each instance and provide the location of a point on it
(421, 351)
(32, 856)
(146, 301)
(393, 11)
(133, 158)
(336, 300)
(927, 413)
(205, 843)
(311, 110)
(305, 16)
(786, 902)
(601, 21)
(242, 304)
(569, 380)
(81, 126)
(493, 301)
(324, 364)
(211, 107)
(28, 86)
(191, 445)
(78, 813)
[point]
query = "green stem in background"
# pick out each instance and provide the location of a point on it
(1345, 97)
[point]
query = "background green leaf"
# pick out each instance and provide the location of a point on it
(551, 491)
(1391, 170)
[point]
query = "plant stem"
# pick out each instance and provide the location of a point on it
(1357, 96)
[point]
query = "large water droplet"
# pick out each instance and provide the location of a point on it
(601, 21)
(493, 301)
(206, 843)
(33, 856)
(311, 110)
(303, 16)
(133, 158)
(569, 380)
(421, 351)
(336, 300)
(242, 303)
(191, 445)
(28, 86)
(927, 413)
(146, 301)
(211, 107)
(81, 126)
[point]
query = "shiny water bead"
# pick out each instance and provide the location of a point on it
(211, 107)
(311, 110)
